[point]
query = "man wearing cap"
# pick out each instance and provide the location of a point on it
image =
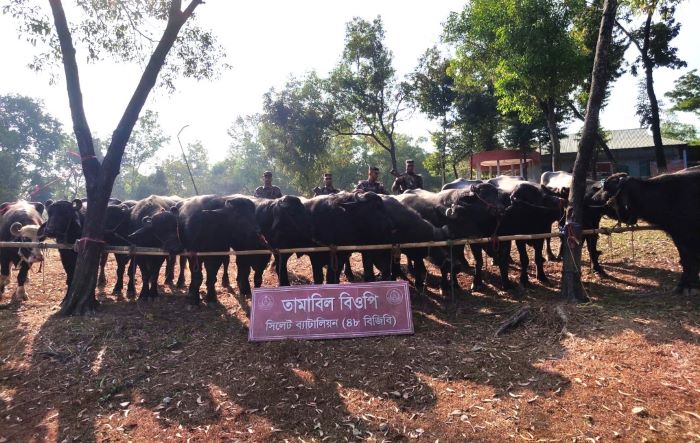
(371, 184)
(267, 190)
(407, 180)
(327, 186)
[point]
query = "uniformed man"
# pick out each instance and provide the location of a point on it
(267, 190)
(407, 180)
(327, 186)
(371, 184)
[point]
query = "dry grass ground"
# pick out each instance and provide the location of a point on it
(626, 367)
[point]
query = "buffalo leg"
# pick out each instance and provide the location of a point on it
(368, 266)
(20, 293)
(122, 261)
(4, 274)
(180, 284)
(477, 283)
(102, 278)
(244, 265)
(68, 259)
(539, 261)
(212, 265)
(259, 264)
(349, 275)
(154, 271)
(225, 280)
(690, 280)
(504, 262)
(594, 253)
(524, 262)
(131, 273)
(281, 269)
(143, 265)
(169, 270)
(318, 261)
(196, 279)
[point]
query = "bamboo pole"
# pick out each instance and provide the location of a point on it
(159, 252)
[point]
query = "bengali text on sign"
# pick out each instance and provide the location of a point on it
(330, 311)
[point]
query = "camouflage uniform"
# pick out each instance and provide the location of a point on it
(367, 186)
(325, 190)
(407, 181)
(272, 192)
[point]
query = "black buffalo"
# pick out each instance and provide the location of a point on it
(531, 211)
(284, 224)
(153, 222)
(345, 219)
(467, 213)
(460, 183)
(116, 232)
(19, 222)
(65, 224)
(213, 223)
(670, 201)
(594, 208)
(411, 228)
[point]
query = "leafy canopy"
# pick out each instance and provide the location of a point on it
(524, 47)
(686, 93)
(125, 31)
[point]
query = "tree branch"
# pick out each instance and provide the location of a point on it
(148, 79)
(75, 97)
(629, 36)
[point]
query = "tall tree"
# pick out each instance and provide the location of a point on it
(121, 30)
(367, 97)
(295, 128)
(686, 93)
(571, 286)
(652, 39)
(526, 49)
(432, 89)
(30, 142)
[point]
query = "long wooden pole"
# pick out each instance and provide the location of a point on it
(159, 252)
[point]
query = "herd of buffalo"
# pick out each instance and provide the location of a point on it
(462, 209)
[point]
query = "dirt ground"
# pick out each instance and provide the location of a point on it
(624, 367)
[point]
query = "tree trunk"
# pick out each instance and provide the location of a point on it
(99, 178)
(443, 152)
(572, 287)
(392, 153)
(655, 120)
(599, 138)
(550, 116)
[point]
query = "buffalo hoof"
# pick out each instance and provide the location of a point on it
(20, 294)
(477, 287)
(118, 295)
(180, 284)
(543, 279)
(169, 283)
(131, 295)
(686, 290)
(600, 272)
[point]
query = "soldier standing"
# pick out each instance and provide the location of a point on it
(327, 186)
(267, 190)
(371, 184)
(407, 180)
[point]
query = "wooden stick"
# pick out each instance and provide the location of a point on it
(159, 252)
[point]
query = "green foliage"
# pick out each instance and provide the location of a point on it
(120, 30)
(686, 93)
(366, 97)
(680, 131)
(524, 47)
(146, 140)
(30, 142)
(295, 128)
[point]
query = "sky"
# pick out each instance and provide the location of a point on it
(268, 41)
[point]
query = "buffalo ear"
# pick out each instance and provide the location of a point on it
(77, 204)
(174, 210)
(147, 221)
(48, 203)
